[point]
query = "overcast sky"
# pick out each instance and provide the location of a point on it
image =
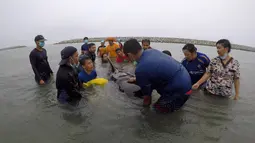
(22, 20)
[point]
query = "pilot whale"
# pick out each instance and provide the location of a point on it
(121, 79)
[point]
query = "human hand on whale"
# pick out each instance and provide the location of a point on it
(132, 80)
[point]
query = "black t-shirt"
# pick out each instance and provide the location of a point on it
(92, 56)
(67, 80)
(40, 64)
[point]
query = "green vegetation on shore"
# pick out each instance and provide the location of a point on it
(164, 40)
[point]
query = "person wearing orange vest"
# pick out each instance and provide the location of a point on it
(101, 49)
(111, 48)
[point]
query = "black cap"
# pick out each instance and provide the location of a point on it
(82, 58)
(66, 53)
(39, 38)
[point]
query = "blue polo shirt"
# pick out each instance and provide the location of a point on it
(85, 47)
(156, 70)
(196, 67)
(85, 77)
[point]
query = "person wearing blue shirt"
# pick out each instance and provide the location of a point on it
(88, 73)
(195, 62)
(167, 52)
(85, 46)
(163, 73)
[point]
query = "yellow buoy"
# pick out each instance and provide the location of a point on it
(97, 81)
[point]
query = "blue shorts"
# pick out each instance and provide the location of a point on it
(171, 103)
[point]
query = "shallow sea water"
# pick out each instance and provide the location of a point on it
(30, 113)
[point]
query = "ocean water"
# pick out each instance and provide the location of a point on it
(31, 113)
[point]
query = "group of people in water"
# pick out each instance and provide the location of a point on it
(155, 70)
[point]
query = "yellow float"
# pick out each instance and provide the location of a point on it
(97, 81)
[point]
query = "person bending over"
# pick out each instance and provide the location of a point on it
(164, 74)
(167, 52)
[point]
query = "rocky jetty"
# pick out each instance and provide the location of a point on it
(14, 47)
(164, 40)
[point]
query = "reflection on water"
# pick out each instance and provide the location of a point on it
(31, 113)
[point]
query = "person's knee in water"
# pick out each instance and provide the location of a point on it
(171, 79)
(88, 73)
(146, 44)
(167, 52)
(67, 82)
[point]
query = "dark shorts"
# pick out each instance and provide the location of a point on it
(166, 104)
(64, 98)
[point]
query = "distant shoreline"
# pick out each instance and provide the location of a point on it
(164, 40)
(14, 47)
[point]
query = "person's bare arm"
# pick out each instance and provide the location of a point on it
(206, 75)
(237, 79)
(237, 87)
(204, 78)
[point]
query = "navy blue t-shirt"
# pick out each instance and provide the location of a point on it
(156, 70)
(40, 64)
(196, 67)
(85, 47)
(85, 77)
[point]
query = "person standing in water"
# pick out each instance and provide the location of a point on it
(104, 58)
(88, 73)
(146, 44)
(164, 74)
(101, 49)
(67, 82)
(222, 72)
(91, 52)
(85, 46)
(111, 48)
(195, 62)
(39, 61)
(120, 44)
(121, 57)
